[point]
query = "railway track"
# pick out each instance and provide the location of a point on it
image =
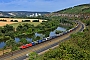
(20, 55)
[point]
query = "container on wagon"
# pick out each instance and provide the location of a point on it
(36, 42)
(33, 43)
(23, 47)
(39, 41)
(29, 45)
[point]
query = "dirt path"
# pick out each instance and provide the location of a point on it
(5, 51)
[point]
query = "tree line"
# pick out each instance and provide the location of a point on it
(76, 48)
(25, 29)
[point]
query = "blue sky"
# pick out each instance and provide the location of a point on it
(38, 5)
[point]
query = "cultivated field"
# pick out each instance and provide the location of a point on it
(4, 23)
(15, 24)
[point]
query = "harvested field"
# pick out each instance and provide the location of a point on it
(4, 23)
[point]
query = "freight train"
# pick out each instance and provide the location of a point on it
(47, 38)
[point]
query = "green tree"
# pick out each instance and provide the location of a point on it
(57, 31)
(23, 41)
(33, 56)
(47, 34)
(10, 44)
(29, 30)
(19, 28)
(10, 33)
(37, 38)
(8, 28)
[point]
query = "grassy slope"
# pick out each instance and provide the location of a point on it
(77, 48)
(16, 24)
(76, 9)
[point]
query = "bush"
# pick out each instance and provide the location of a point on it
(57, 31)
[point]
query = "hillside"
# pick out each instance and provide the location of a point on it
(76, 48)
(84, 8)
